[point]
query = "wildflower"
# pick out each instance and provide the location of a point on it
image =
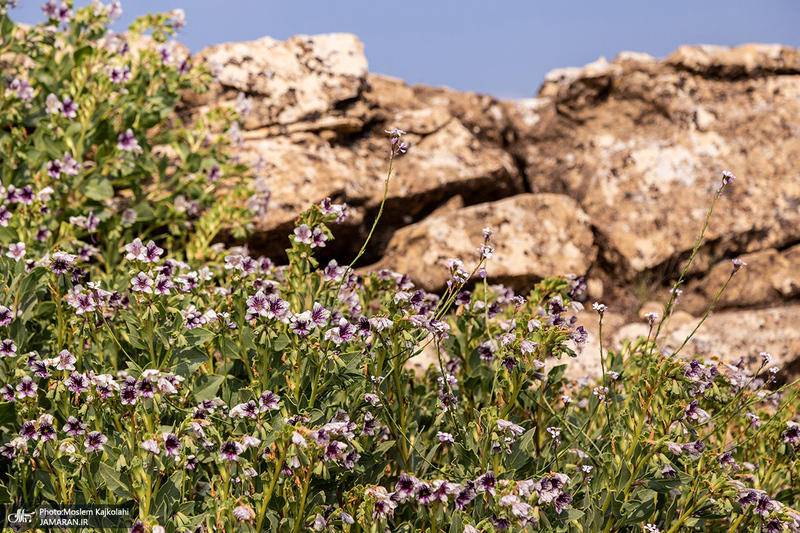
(46, 430)
(5, 216)
(150, 445)
(26, 388)
(230, 451)
(94, 441)
(486, 483)
(7, 393)
(129, 217)
(372, 399)
(651, 318)
(727, 177)
(127, 141)
(248, 441)
(69, 108)
(244, 513)
(600, 308)
(52, 104)
(152, 252)
(318, 238)
(737, 265)
(191, 462)
(792, 435)
(600, 392)
(693, 412)
(7, 348)
(766, 358)
(61, 262)
(651, 528)
(21, 89)
(77, 382)
(142, 283)
(54, 169)
(6, 316)
(505, 425)
(136, 251)
(74, 427)
(16, 251)
(445, 437)
(344, 332)
(301, 323)
(269, 401)
(28, 430)
(248, 409)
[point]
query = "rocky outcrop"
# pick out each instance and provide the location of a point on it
(608, 172)
(536, 236)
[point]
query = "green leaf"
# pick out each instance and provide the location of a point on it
(456, 526)
(206, 387)
(5, 496)
(193, 162)
(115, 481)
(187, 361)
(521, 453)
(168, 494)
(570, 514)
(97, 188)
(199, 336)
(7, 413)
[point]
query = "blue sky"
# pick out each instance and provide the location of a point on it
(501, 47)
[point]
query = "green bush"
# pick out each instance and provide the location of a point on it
(215, 390)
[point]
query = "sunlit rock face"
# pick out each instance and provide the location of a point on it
(607, 172)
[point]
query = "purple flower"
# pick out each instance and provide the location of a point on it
(562, 501)
(54, 169)
(46, 430)
(244, 513)
(737, 265)
(6, 316)
(277, 308)
(5, 216)
(792, 435)
(344, 332)
(94, 441)
(74, 427)
(136, 251)
(318, 238)
(445, 437)
(152, 252)
(28, 430)
(486, 483)
(16, 251)
(302, 234)
(7, 393)
(162, 285)
(319, 315)
(69, 108)
(142, 283)
(22, 89)
(27, 388)
(269, 401)
(77, 382)
(127, 141)
(249, 410)
(61, 262)
(727, 177)
(7, 348)
(191, 462)
(230, 451)
(301, 323)
(128, 395)
(150, 445)
(50, 9)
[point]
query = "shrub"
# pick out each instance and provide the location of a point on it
(222, 391)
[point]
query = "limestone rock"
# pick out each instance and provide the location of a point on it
(728, 336)
(641, 144)
(769, 277)
(536, 235)
(291, 81)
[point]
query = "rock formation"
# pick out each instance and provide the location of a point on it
(608, 172)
